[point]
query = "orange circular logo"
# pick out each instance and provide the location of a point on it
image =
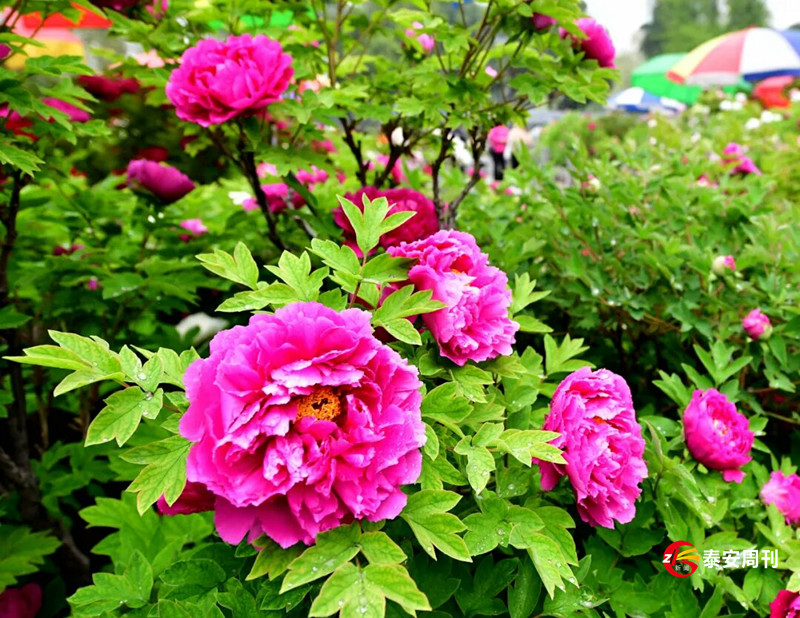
(686, 560)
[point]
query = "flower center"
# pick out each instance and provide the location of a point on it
(324, 404)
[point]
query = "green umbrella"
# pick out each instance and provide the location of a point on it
(652, 77)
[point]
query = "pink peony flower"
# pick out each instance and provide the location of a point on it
(426, 41)
(723, 263)
(596, 45)
(784, 492)
(153, 153)
(542, 22)
(704, 181)
(591, 125)
(22, 602)
(498, 138)
(491, 71)
(195, 226)
(5, 52)
(108, 89)
(475, 324)
(785, 605)
(93, 284)
(195, 498)
(279, 195)
(398, 175)
(302, 421)
(76, 114)
(165, 182)
(757, 325)
(717, 435)
(421, 225)
(602, 444)
(734, 156)
(217, 80)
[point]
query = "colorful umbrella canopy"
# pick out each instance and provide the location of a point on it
(86, 19)
(770, 91)
(55, 42)
(753, 54)
(652, 76)
(640, 101)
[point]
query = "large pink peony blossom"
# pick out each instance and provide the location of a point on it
(165, 182)
(475, 324)
(421, 225)
(302, 421)
(785, 605)
(717, 434)
(784, 492)
(596, 45)
(195, 498)
(217, 80)
(22, 602)
(757, 325)
(602, 445)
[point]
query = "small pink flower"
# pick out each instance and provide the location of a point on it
(602, 445)
(93, 284)
(398, 175)
(542, 22)
(717, 434)
(426, 41)
(596, 45)
(734, 156)
(62, 250)
(220, 80)
(421, 225)
(704, 181)
(108, 89)
(785, 605)
(302, 421)
(76, 114)
(491, 71)
(24, 602)
(195, 226)
(723, 263)
(757, 324)
(784, 492)
(591, 126)
(498, 138)
(474, 325)
(165, 182)
(195, 498)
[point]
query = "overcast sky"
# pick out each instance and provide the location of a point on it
(623, 18)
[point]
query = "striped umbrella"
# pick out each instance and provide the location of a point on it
(753, 54)
(640, 101)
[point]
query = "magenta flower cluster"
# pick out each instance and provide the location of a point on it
(220, 80)
(301, 421)
(602, 444)
(475, 324)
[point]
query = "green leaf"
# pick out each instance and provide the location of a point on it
(396, 585)
(368, 223)
(524, 594)
(200, 573)
(480, 464)
(347, 592)
(11, 318)
(239, 267)
(164, 472)
(341, 259)
(558, 359)
(272, 560)
(276, 294)
(109, 592)
(333, 548)
(94, 351)
(51, 356)
(238, 600)
(404, 303)
(427, 515)
(25, 161)
(122, 415)
(523, 294)
(524, 445)
(384, 268)
(296, 273)
(22, 552)
(379, 548)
